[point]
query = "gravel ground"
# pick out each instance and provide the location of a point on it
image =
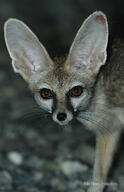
(37, 155)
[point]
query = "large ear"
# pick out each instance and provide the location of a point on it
(28, 55)
(88, 51)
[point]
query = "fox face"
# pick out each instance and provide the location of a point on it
(61, 92)
(61, 89)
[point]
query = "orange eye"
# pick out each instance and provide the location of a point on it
(76, 91)
(46, 93)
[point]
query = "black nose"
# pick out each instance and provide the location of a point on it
(61, 116)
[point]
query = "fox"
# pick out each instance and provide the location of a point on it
(86, 86)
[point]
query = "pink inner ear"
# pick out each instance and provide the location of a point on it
(87, 59)
(27, 62)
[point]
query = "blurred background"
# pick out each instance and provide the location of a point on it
(35, 154)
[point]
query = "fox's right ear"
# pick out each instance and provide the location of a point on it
(27, 53)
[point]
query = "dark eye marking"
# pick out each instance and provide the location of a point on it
(46, 93)
(76, 91)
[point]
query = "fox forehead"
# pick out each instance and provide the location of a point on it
(55, 78)
(58, 79)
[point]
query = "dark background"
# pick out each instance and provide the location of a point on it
(56, 22)
(47, 157)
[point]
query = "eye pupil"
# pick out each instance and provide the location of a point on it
(46, 93)
(76, 91)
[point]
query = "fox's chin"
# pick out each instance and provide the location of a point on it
(63, 123)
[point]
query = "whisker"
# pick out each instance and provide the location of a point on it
(102, 112)
(35, 115)
(102, 104)
(98, 112)
(99, 125)
(95, 123)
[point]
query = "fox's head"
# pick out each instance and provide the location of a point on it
(61, 89)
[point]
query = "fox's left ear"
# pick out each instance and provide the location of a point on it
(88, 51)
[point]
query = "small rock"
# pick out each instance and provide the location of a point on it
(74, 184)
(15, 157)
(28, 189)
(34, 162)
(113, 187)
(86, 153)
(5, 180)
(38, 176)
(58, 184)
(72, 167)
(121, 181)
(21, 179)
